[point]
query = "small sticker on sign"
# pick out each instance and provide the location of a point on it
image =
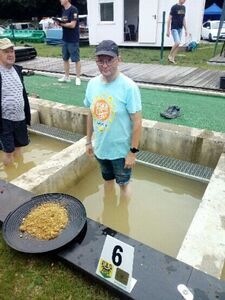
(122, 276)
(105, 268)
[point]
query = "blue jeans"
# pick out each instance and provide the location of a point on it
(114, 169)
(176, 33)
(71, 50)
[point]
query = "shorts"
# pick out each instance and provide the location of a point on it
(176, 33)
(14, 134)
(114, 169)
(72, 51)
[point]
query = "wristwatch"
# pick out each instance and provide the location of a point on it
(134, 150)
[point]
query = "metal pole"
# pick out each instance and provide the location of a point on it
(162, 39)
(12, 30)
(222, 18)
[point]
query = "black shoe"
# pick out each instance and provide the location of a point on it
(172, 112)
(168, 110)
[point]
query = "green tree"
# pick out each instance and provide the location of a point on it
(24, 10)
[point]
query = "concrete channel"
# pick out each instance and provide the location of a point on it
(204, 244)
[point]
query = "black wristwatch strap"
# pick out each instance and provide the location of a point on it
(134, 150)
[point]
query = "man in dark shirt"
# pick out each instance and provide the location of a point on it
(175, 24)
(71, 35)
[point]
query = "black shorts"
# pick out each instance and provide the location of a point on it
(14, 134)
(114, 169)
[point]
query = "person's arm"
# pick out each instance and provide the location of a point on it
(185, 26)
(89, 148)
(135, 138)
(69, 25)
(169, 25)
(72, 24)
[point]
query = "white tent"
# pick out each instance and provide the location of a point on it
(138, 22)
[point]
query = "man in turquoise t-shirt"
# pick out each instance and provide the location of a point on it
(114, 118)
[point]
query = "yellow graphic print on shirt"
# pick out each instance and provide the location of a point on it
(103, 111)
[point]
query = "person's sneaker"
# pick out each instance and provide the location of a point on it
(168, 110)
(172, 112)
(78, 81)
(171, 59)
(64, 79)
(175, 113)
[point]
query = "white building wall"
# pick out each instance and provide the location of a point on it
(99, 31)
(115, 30)
(194, 17)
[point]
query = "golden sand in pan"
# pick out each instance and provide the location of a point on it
(46, 221)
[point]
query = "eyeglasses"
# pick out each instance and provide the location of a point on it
(108, 62)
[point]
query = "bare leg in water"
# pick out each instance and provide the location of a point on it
(115, 212)
(8, 158)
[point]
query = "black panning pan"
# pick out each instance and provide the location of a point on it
(29, 244)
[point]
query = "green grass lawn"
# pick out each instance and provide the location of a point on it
(197, 58)
(43, 277)
(200, 111)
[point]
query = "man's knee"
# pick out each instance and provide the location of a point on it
(177, 44)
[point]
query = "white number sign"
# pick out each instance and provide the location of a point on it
(116, 263)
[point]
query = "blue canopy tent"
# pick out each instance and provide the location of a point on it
(213, 12)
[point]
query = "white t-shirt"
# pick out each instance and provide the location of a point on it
(12, 95)
(46, 24)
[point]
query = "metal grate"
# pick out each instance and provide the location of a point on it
(57, 133)
(175, 166)
(154, 160)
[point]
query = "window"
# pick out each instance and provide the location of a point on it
(215, 25)
(206, 25)
(106, 11)
(24, 26)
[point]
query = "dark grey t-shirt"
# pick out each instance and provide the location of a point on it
(71, 35)
(178, 13)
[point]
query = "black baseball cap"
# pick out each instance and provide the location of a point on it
(107, 47)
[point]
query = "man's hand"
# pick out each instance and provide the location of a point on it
(130, 160)
(168, 33)
(57, 21)
(89, 150)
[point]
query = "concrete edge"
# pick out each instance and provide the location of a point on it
(204, 244)
(50, 175)
(191, 144)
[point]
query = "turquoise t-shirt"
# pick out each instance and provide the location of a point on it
(111, 105)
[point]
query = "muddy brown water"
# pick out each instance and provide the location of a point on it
(40, 149)
(158, 214)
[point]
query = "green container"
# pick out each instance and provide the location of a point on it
(36, 36)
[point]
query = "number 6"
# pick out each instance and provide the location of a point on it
(116, 256)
